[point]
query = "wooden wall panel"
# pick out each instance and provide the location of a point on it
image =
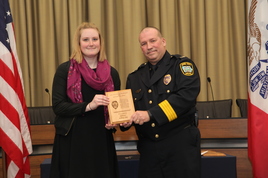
(35, 162)
(1, 167)
(223, 128)
(230, 128)
(42, 134)
(243, 166)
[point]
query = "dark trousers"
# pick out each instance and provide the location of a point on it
(177, 156)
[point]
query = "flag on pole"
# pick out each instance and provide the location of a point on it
(258, 87)
(15, 138)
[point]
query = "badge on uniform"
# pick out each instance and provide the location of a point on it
(187, 68)
(167, 79)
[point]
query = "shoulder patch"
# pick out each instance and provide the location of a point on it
(187, 68)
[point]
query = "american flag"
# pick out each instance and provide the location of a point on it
(258, 86)
(15, 138)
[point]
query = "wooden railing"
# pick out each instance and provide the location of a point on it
(223, 128)
(209, 128)
(230, 128)
(42, 134)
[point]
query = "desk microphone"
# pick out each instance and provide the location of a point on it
(46, 90)
(209, 81)
(213, 105)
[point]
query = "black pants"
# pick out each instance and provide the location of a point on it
(175, 157)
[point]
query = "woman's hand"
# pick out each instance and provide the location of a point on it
(110, 126)
(98, 100)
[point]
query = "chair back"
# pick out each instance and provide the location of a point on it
(41, 115)
(243, 107)
(214, 109)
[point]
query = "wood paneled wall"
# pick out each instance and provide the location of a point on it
(231, 128)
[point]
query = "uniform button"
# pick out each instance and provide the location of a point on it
(135, 99)
(150, 102)
(156, 136)
(149, 91)
(153, 124)
(168, 91)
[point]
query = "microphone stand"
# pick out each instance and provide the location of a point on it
(49, 102)
(213, 105)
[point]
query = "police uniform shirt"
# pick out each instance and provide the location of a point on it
(169, 95)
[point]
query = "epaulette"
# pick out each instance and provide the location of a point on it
(178, 56)
(140, 67)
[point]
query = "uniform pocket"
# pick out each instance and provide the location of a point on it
(137, 94)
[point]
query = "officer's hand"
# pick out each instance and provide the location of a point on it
(139, 117)
(126, 124)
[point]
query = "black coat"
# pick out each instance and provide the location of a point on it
(64, 108)
(83, 147)
(176, 84)
(169, 144)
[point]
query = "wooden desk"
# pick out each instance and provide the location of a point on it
(43, 134)
(211, 166)
(211, 129)
(223, 128)
(219, 130)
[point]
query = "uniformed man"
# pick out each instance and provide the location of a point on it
(165, 91)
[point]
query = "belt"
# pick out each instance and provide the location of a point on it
(189, 125)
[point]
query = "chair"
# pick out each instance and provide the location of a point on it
(41, 115)
(214, 109)
(243, 107)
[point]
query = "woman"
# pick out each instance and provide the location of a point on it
(84, 145)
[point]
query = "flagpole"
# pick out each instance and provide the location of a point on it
(4, 164)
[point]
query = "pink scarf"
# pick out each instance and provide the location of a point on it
(100, 80)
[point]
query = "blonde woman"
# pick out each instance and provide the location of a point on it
(84, 145)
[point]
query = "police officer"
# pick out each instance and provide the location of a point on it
(165, 91)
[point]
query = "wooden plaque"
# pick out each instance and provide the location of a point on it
(121, 106)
